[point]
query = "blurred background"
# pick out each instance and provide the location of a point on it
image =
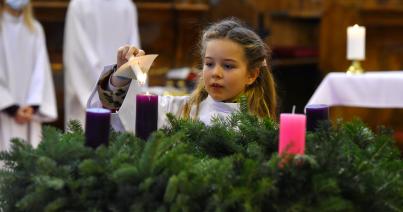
(307, 37)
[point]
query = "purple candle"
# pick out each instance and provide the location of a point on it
(146, 114)
(97, 124)
(315, 114)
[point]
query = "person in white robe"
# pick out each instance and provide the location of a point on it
(94, 30)
(26, 84)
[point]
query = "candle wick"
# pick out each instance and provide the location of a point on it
(293, 109)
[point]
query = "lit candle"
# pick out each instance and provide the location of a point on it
(292, 133)
(146, 114)
(97, 124)
(315, 114)
(356, 42)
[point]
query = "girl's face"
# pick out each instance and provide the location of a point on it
(225, 70)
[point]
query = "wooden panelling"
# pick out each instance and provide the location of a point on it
(290, 31)
(383, 20)
(166, 28)
(171, 29)
(384, 36)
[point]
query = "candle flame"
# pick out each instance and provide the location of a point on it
(142, 78)
(141, 75)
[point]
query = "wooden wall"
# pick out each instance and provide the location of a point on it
(308, 38)
(166, 28)
(384, 37)
(170, 29)
(322, 25)
(384, 50)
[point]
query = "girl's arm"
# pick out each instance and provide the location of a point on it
(112, 90)
(111, 95)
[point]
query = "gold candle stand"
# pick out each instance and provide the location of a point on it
(355, 68)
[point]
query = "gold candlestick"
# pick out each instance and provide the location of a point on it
(355, 68)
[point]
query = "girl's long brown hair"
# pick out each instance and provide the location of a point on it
(261, 94)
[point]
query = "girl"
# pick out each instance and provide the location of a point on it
(26, 87)
(234, 64)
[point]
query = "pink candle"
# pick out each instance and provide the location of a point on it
(292, 133)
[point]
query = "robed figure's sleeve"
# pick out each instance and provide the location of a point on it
(123, 102)
(41, 90)
(80, 58)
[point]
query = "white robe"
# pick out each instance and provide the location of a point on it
(25, 79)
(124, 119)
(94, 30)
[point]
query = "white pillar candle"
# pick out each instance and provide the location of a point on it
(356, 42)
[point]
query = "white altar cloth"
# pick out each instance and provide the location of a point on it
(370, 90)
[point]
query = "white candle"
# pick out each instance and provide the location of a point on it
(356, 42)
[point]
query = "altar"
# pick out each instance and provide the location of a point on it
(374, 97)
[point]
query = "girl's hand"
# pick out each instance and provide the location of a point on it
(124, 54)
(127, 51)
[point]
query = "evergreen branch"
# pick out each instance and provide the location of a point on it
(232, 165)
(244, 104)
